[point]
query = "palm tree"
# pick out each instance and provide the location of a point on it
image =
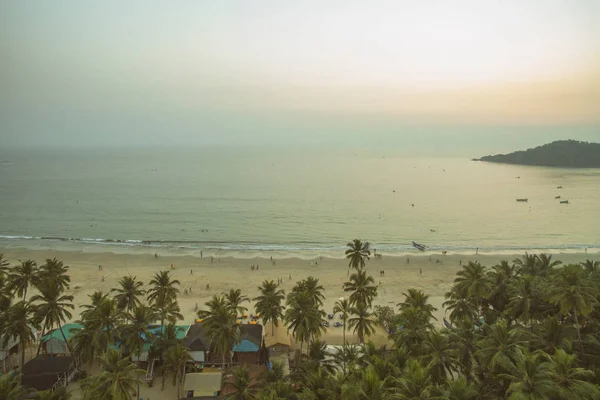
(136, 331)
(545, 264)
(52, 306)
(573, 382)
(54, 272)
(118, 379)
(86, 341)
(415, 383)
(234, 300)
(552, 335)
(527, 264)
(357, 253)
(163, 342)
(241, 384)
(313, 288)
(18, 326)
(128, 294)
(4, 265)
(362, 287)
(501, 278)
(11, 388)
(105, 317)
(573, 293)
(370, 386)
(460, 389)
(526, 299)
(472, 282)
(175, 360)
(222, 330)
(23, 276)
(303, 318)
(268, 304)
(418, 299)
(439, 356)
(531, 378)
(60, 393)
(163, 293)
(168, 311)
(463, 340)
(344, 307)
(500, 346)
(362, 321)
(460, 306)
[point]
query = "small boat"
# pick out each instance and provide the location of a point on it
(559, 187)
(564, 202)
(557, 197)
(447, 324)
(418, 246)
(330, 316)
(522, 200)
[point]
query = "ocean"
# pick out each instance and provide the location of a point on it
(245, 201)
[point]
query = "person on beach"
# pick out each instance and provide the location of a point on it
(477, 250)
(420, 271)
(407, 260)
(207, 286)
(99, 267)
(290, 277)
(155, 255)
(200, 253)
(191, 272)
(460, 262)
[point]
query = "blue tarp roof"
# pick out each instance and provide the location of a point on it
(245, 346)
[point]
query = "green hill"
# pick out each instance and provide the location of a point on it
(562, 153)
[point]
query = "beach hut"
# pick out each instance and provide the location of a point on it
(195, 340)
(54, 342)
(8, 352)
(277, 339)
(202, 385)
(46, 372)
(248, 350)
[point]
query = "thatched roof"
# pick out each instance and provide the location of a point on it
(277, 335)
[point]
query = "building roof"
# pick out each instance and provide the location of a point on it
(180, 331)
(68, 329)
(245, 346)
(42, 373)
(250, 338)
(196, 339)
(277, 335)
(252, 333)
(203, 383)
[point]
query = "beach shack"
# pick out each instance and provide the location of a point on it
(205, 385)
(8, 353)
(54, 342)
(277, 339)
(248, 350)
(197, 343)
(48, 372)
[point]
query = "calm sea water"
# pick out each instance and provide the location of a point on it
(252, 201)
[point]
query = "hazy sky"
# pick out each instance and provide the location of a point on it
(220, 72)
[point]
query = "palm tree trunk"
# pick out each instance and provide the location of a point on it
(344, 345)
(40, 344)
(578, 330)
(64, 337)
(22, 352)
(25, 293)
(298, 360)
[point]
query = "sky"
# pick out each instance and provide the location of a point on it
(77, 73)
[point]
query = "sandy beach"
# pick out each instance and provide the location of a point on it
(422, 272)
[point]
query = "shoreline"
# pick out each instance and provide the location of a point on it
(246, 251)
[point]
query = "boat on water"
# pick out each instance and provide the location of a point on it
(559, 187)
(418, 246)
(522, 200)
(557, 197)
(564, 202)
